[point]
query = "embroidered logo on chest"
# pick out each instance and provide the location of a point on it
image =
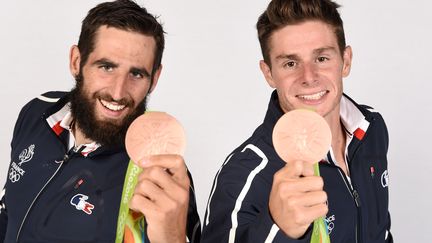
(16, 171)
(80, 203)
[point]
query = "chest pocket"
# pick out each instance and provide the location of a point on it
(72, 212)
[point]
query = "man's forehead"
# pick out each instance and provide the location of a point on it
(310, 36)
(116, 44)
(112, 31)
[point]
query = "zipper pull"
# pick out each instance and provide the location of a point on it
(65, 158)
(356, 198)
(72, 152)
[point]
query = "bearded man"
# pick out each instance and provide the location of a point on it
(68, 159)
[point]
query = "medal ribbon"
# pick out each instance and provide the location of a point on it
(319, 231)
(130, 224)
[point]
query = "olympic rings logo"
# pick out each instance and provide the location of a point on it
(14, 176)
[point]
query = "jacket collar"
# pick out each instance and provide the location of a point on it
(59, 118)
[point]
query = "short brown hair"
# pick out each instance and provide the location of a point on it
(280, 13)
(125, 15)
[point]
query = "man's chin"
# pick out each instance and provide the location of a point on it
(109, 122)
(109, 134)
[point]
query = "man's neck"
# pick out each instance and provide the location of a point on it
(338, 146)
(338, 143)
(80, 138)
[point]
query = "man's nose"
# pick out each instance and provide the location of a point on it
(119, 88)
(309, 74)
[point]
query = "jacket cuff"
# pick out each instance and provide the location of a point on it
(275, 234)
(282, 237)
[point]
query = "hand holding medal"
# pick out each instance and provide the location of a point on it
(303, 136)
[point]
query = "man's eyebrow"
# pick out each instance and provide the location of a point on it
(296, 57)
(287, 57)
(324, 49)
(142, 71)
(105, 61)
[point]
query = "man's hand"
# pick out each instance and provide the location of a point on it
(162, 195)
(297, 198)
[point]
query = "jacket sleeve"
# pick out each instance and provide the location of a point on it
(193, 225)
(388, 236)
(3, 216)
(237, 209)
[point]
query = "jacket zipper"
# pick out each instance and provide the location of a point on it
(66, 158)
(356, 198)
(354, 194)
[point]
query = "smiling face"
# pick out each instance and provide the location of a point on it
(115, 82)
(307, 67)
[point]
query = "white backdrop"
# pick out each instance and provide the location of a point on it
(211, 81)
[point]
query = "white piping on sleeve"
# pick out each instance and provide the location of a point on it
(273, 231)
(2, 206)
(214, 189)
(47, 99)
(244, 191)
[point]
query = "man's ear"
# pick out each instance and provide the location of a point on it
(74, 61)
(155, 79)
(347, 60)
(266, 70)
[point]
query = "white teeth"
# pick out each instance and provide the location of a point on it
(313, 96)
(112, 106)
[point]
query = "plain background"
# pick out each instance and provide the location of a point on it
(212, 83)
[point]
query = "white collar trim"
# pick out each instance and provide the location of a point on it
(64, 118)
(351, 116)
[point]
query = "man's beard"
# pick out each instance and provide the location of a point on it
(106, 132)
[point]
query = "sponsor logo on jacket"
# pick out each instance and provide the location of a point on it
(80, 203)
(385, 179)
(16, 171)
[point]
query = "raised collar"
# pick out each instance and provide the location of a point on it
(60, 122)
(352, 118)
